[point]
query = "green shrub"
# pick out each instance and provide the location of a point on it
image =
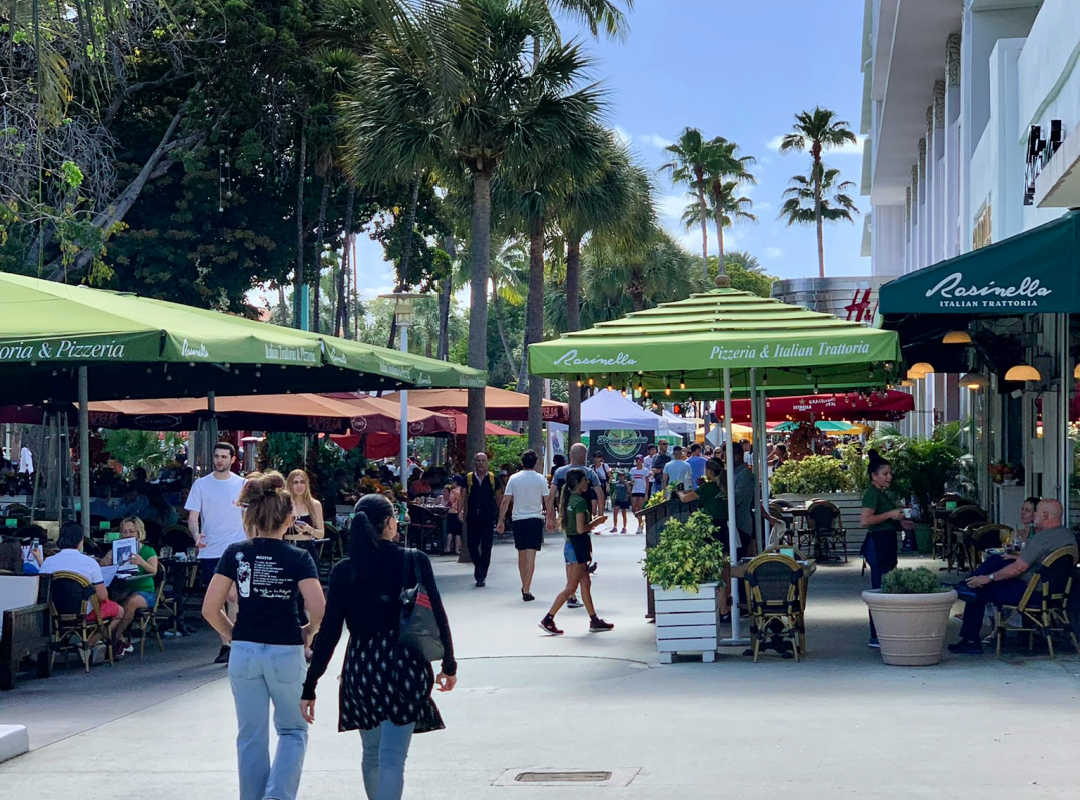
(908, 580)
(686, 555)
(811, 475)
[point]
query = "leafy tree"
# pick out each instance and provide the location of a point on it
(745, 273)
(818, 130)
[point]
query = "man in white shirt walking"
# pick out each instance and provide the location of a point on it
(532, 508)
(215, 521)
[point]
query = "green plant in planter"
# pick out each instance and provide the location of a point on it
(811, 475)
(912, 580)
(686, 555)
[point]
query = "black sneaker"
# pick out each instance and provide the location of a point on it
(966, 648)
(573, 602)
(480, 584)
(548, 624)
(597, 625)
(527, 597)
(223, 655)
(593, 567)
(874, 643)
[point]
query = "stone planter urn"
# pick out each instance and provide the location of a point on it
(910, 627)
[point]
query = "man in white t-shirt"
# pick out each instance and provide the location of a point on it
(532, 508)
(71, 558)
(215, 521)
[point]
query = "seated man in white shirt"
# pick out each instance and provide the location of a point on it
(72, 559)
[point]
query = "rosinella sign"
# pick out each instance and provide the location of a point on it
(954, 292)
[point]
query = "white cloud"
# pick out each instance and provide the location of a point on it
(671, 206)
(623, 136)
(774, 253)
(763, 205)
(847, 149)
(656, 140)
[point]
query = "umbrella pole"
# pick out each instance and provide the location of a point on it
(403, 443)
(733, 532)
(763, 463)
(755, 445)
(84, 452)
(1065, 395)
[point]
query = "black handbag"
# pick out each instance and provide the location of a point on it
(418, 628)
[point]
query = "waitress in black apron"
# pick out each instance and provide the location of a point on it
(881, 517)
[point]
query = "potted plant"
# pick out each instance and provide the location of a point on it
(911, 614)
(684, 570)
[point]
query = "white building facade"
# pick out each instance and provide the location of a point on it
(964, 102)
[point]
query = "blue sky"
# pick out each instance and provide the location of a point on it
(735, 69)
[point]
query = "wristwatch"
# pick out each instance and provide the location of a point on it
(993, 577)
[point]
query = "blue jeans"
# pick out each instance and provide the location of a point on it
(385, 749)
(259, 674)
(999, 593)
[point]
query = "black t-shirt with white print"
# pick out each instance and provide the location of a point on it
(267, 573)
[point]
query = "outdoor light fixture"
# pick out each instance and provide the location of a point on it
(922, 367)
(1023, 372)
(974, 381)
(667, 389)
(907, 383)
(611, 388)
(1076, 372)
(579, 381)
(682, 381)
(956, 337)
(592, 382)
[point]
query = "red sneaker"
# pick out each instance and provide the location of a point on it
(547, 624)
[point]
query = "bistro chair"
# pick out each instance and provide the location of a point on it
(956, 521)
(425, 529)
(1043, 608)
(72, 631)
(980, 539)
(168, 608)
(146, 619)
(775, 603)
(826, 533)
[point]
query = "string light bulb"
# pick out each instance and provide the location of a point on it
(592, 382)
(579, 382)
(682, 381)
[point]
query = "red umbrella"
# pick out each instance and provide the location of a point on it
(883, 405)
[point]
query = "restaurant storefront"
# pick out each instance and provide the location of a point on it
(1000, 316)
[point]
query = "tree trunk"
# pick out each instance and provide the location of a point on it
(480, 241)
(446, 290)
(154, 166)
(341, 316)
(721, 269)
(320, 239)
(816, 150)
(299, 277)
(534, 332)
(704, 235)
(573, 323)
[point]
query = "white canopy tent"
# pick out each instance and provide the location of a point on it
(670, 423)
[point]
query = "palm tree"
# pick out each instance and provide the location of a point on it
(726, 171)
(689, 166)
(724, 207)
(614, 200)
(818, 130)
(808, 201)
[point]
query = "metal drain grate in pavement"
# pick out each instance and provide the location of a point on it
(536, 776)
(562, 777)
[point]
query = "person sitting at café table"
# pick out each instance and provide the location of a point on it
(139, 589)
(1026, 529)
(70, 558)
(1002, 580)
(307, 511)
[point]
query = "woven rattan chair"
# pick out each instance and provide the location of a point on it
(71, 630)
(774, 597)
(1044, 607)
(956, 521)
(826, 527)
(979, 539)
(147, 620)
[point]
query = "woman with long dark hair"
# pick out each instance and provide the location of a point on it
(266, 662)
(881, 516)
(385, 690)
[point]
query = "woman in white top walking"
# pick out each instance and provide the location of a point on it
(532, 507)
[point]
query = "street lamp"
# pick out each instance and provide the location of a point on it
(403, 317)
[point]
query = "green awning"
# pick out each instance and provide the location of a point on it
(1034, 272)
(141, 347)
(691, 341)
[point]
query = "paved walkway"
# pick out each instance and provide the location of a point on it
(838, 724)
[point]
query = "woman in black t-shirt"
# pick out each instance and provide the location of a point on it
(266, 660)
(385, 690)
(881, 516)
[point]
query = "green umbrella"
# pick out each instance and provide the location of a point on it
(697, 343)
(690, 342)
(140, 347)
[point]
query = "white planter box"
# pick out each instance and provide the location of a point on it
(686, 622)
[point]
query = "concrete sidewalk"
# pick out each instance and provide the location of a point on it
(840, 723)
